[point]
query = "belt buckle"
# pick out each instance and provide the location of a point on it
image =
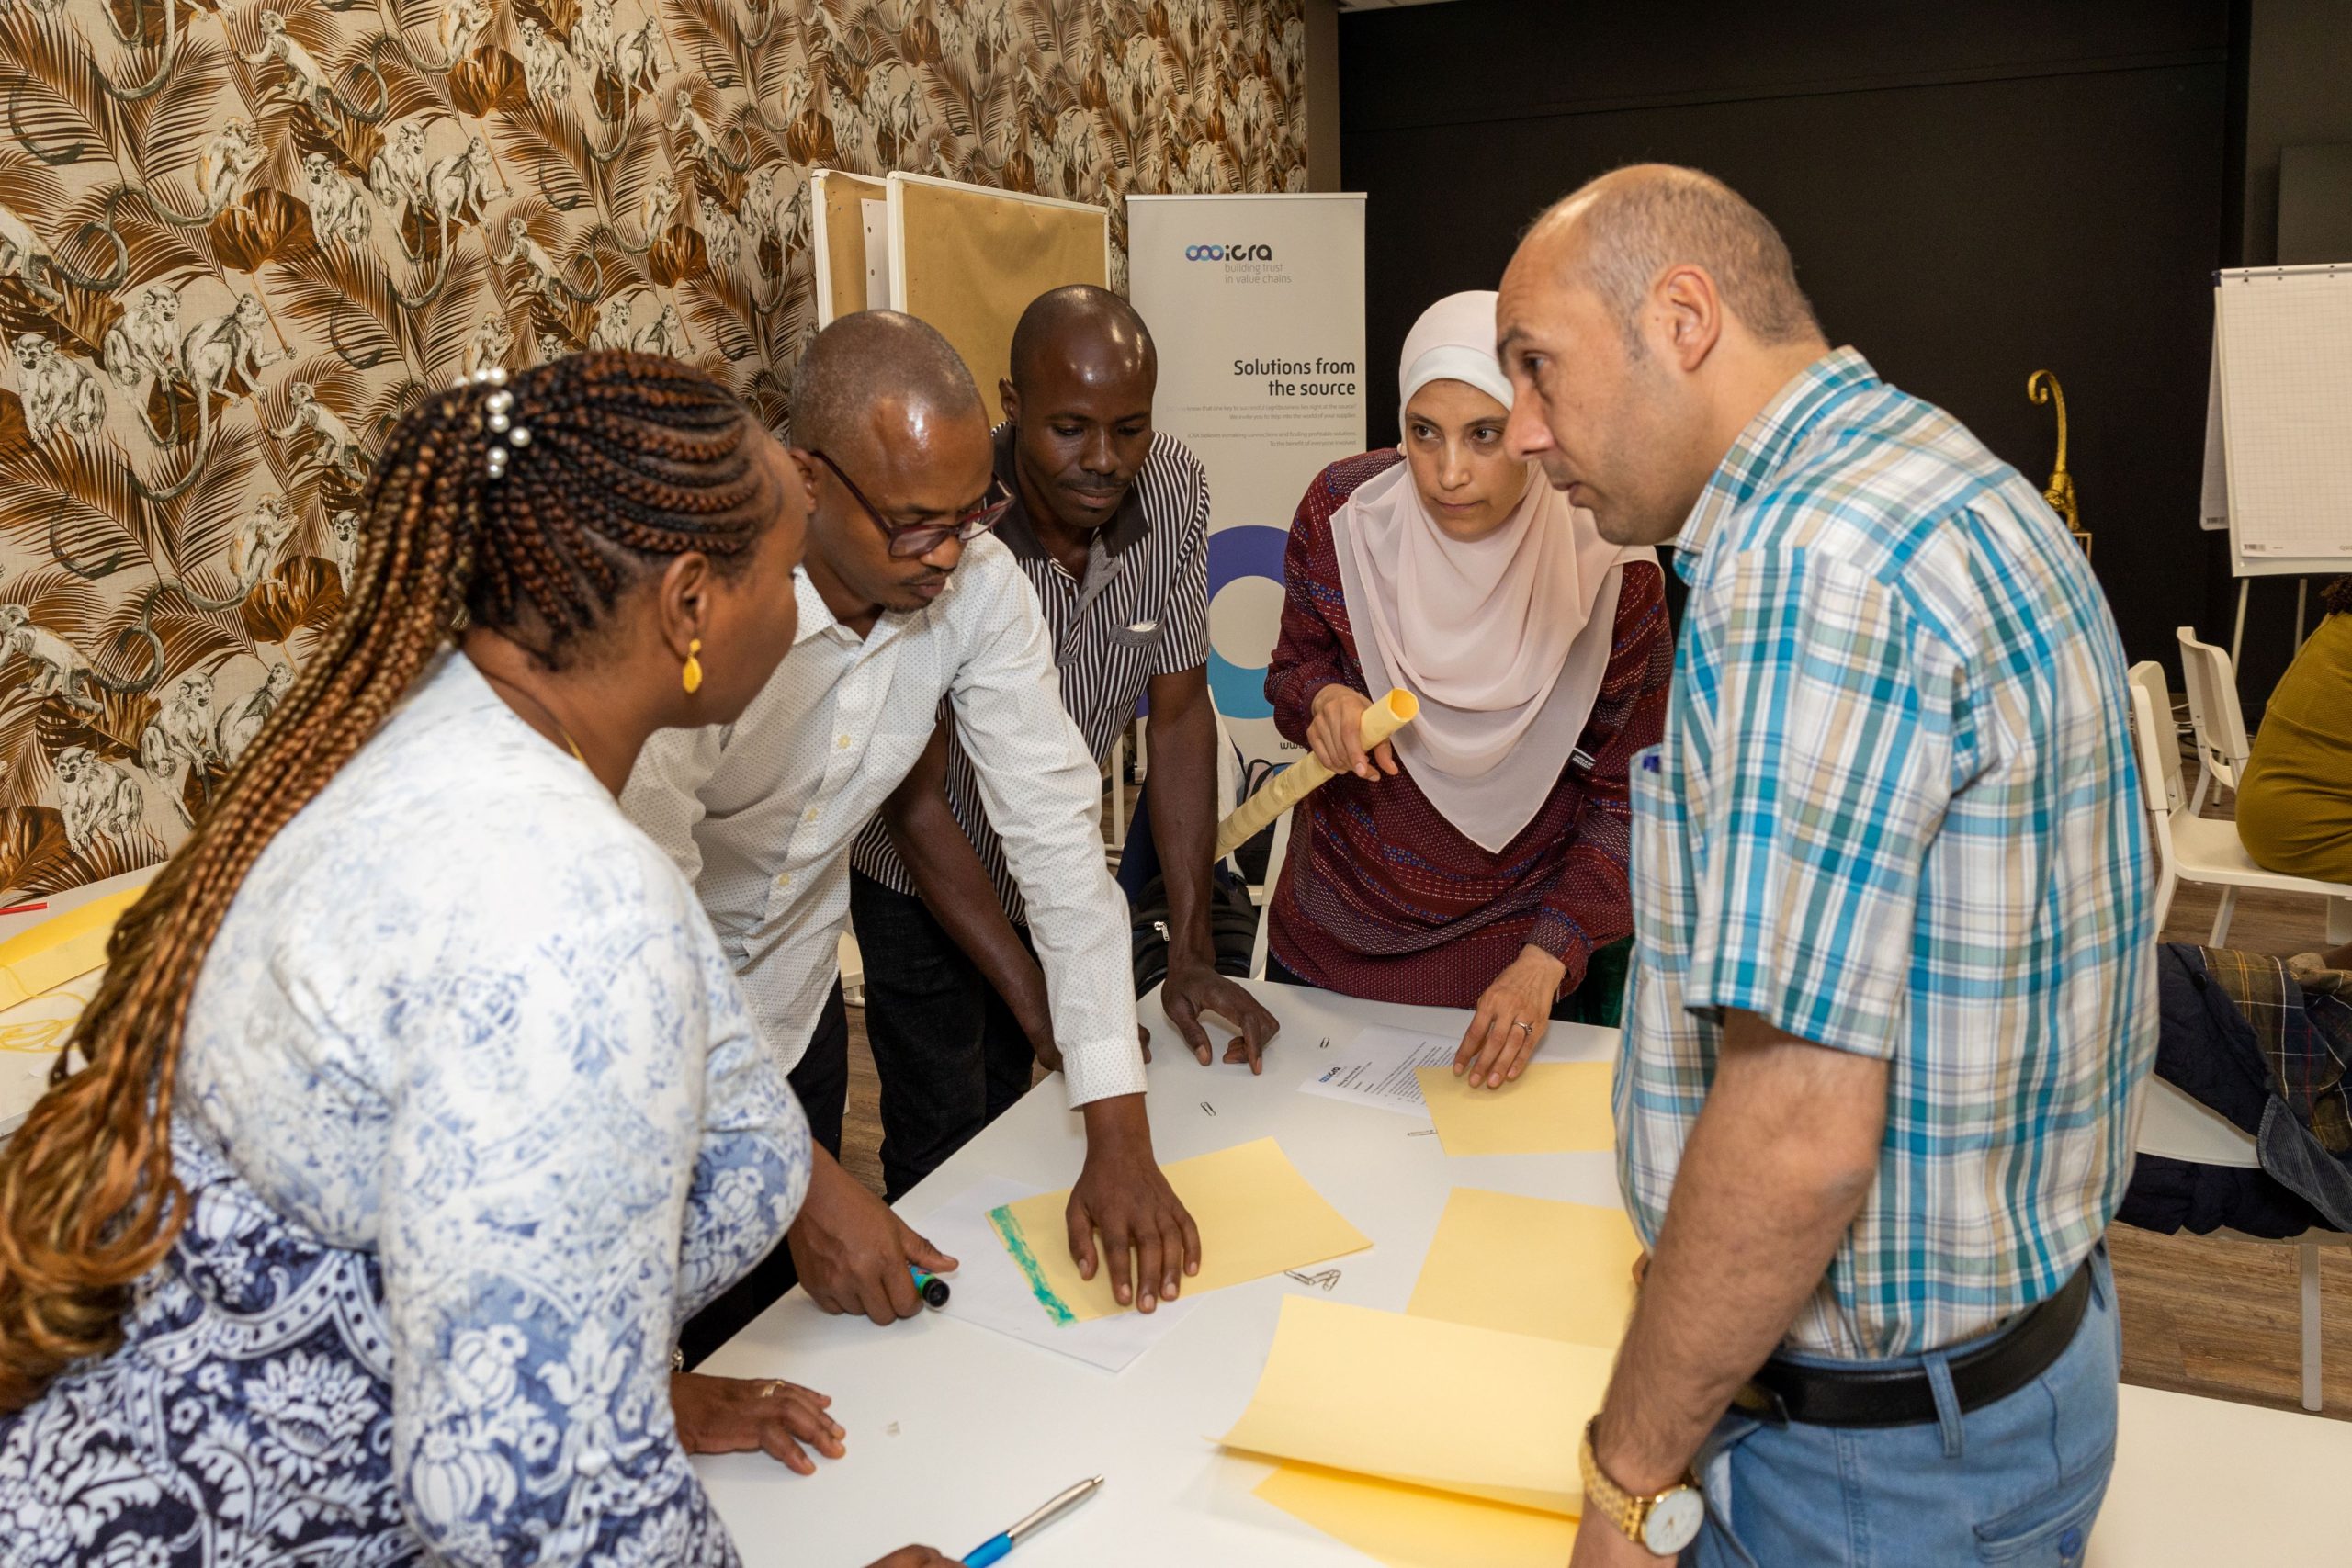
(1761, 1404)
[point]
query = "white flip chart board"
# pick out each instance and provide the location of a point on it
(2279, 425)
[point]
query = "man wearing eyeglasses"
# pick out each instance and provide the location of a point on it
(906, 604)
(1110, 521)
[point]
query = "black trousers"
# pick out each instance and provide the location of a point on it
(822, 1084)
(950, 1055)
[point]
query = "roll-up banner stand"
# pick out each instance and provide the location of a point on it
(1257, 305)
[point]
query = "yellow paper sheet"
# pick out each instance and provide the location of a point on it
(1408, 1527)
(60, 948)
(1430, 1404)
(1554, 1108)
(1256, 1213)
(1530, 1265)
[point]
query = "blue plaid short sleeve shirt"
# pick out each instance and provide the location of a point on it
(1896, 812)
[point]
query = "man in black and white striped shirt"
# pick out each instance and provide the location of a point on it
(1110, 523)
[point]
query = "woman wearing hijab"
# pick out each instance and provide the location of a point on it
(1478, 859)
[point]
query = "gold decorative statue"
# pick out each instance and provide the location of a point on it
(2042, 387)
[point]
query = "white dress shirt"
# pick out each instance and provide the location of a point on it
(761, 814)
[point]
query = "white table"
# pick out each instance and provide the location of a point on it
(955, 1431)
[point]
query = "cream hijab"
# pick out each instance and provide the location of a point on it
(1504, 639)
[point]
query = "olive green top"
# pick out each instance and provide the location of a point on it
(2295, 808)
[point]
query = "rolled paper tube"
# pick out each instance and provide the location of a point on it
(1294, 784)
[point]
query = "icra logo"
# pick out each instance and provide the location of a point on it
(1228, 252)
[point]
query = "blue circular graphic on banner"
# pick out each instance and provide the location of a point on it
(1249, 557)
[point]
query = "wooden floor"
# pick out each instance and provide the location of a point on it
(2202, 1315)
(2220, 1317)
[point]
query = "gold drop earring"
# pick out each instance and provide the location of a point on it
(693, 667)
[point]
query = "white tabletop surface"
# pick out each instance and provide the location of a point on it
(955, 1431)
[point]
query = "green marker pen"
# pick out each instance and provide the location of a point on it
(933, 1287)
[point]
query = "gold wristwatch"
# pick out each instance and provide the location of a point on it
(1661, 1524)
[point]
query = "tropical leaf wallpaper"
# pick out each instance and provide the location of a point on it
(239, 240)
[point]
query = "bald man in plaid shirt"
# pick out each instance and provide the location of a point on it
(1893, 995)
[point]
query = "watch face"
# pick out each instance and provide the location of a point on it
(1674, 1521)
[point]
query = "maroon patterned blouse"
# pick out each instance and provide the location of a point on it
(1383, 898)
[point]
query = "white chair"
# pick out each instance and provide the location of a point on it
(2201, 848)
(2172, 1123)
(1116, 839)
(1264, 895)
(853, 963)
(2214, 715)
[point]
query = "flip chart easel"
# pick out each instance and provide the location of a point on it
(2278, 425)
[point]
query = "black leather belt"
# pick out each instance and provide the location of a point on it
(2006, 1360)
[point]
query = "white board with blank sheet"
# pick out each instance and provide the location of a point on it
(2279, 437)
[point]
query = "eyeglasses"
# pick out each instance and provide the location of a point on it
(909, 540)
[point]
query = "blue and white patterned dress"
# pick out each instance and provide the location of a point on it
(473, 1118)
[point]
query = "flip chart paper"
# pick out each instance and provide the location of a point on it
(1436, 1404)
(1530, 1265)
(1302, 778)
(1256, 1216)
(1409, 1527)
(1550, 1108)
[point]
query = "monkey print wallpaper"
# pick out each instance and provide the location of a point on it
(240, 237)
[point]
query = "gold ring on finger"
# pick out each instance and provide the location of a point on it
(1524, 1025)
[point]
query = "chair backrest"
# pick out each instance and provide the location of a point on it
(2214, 710)
(1274, 858)
(2158, 750)
(2158, 742)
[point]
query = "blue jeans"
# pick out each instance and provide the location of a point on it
(2017, 1481)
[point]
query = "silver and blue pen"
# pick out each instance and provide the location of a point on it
(995, 1546)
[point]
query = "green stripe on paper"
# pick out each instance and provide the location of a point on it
(1017, 1242)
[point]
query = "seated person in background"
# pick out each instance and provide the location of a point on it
(905, 603)
(2294, 807)
(421, 1103)
(1478, 859)
(1109, 522)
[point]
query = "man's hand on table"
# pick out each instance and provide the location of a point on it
(852, 1253)
(916, 1557)
(1193, 987)
(734, 1415)
(1148, 1239)
(1512, 1017)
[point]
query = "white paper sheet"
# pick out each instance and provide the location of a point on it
(1375, 1068)
(988, 1290)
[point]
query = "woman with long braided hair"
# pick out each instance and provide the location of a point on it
(420, 1104)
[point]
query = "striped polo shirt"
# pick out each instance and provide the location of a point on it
(1141, 610)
